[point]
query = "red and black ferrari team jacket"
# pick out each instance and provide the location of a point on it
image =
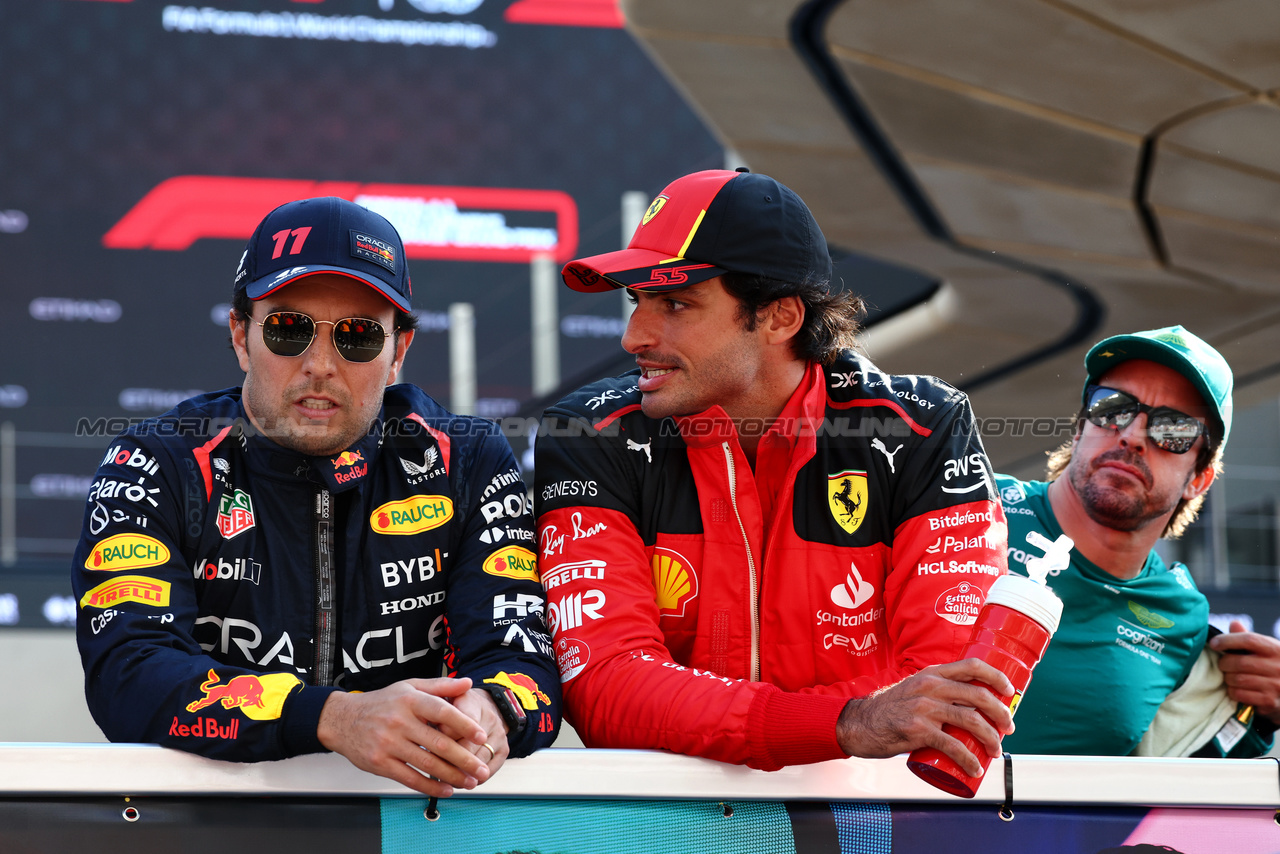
(227, 586)
(700, 606)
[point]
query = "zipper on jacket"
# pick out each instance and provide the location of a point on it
(751, 565)
(325, 618)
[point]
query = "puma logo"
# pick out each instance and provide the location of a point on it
(879, 446)
(645, 447)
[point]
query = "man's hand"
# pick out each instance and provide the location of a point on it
(1253, 679)
(911, 713)
(479, 706)
(397, 732)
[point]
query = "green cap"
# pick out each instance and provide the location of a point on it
(1176, 348)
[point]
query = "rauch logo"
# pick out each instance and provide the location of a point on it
(411, 515)
(126, 551)
(513, 562)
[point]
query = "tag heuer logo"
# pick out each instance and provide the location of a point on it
(235, 514)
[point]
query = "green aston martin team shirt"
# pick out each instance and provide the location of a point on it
(1121, 648)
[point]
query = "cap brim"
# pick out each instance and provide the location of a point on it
(641, 269)
(269, 285)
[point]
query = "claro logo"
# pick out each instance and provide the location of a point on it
(411, 515)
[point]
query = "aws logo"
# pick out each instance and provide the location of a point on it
(411, 515)
(513, 562)
(655, 206)
(126, 551)
(847, 498)
(675, 583)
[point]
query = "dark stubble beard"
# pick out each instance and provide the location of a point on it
(1114, 508)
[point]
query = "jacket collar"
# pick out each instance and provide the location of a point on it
(797, 424)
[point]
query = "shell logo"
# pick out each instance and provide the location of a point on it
(675, 583)
(411, 515)
(513, 562)
(126, 551)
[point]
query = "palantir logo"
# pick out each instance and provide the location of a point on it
(853, 591)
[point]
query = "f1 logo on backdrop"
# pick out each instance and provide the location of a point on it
(441, 223)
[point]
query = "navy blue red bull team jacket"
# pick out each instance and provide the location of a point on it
(707, 606)
(227, 586)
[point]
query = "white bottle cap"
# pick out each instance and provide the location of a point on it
(1028, 597)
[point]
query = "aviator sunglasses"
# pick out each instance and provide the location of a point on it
(290, 333)
(1168, 429)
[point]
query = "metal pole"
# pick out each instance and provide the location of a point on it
(544, 315)
(634, 204)
(8, 496)
(462, 358)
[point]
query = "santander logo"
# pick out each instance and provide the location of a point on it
(853, 591)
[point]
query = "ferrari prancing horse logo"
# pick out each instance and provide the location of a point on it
(654, 207)
(847, 498)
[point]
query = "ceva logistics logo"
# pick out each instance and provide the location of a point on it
(126, 551)
(411, 515)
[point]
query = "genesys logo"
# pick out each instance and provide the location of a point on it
(436, 222)
(128, 588)
(523, 687)
(411, 515)
(126, 551)
(512, 562)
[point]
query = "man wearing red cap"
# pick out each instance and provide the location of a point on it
(758, 547)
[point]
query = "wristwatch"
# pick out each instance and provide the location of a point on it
(508, 706)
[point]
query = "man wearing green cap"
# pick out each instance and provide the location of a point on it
(1129, 670)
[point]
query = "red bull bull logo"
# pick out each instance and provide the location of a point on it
(257, 696)
(524, 688)
(347, 458)
(411, 515)
(128, 588)
(126, 551)
(512, 562)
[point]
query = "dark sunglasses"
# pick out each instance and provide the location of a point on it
(290, 333)
(1169, 429)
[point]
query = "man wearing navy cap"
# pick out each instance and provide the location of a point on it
(758, 547)
(319, 559)
(1128, 670)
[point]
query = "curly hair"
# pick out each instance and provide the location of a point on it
(830, 319)
(1209, 455)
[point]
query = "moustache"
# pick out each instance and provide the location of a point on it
(1128, 458)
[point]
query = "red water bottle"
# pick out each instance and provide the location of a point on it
(1011, 634)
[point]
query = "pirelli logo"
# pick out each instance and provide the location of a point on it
(128, 588)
